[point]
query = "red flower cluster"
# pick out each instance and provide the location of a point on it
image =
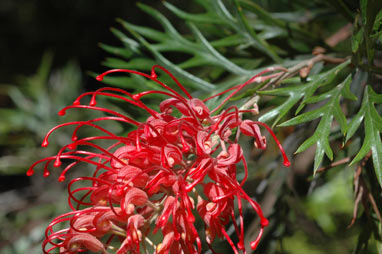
(175, 165)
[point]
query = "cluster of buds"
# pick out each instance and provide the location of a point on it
(180, 163)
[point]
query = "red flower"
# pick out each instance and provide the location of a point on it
(155, 174)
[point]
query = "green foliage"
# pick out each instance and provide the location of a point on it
(223, 47)
(36, 100)
(295, 93)
(328, 112)
(372, 122)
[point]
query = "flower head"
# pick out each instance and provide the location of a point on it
(172, 166)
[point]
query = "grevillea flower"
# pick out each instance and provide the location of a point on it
(179, 163)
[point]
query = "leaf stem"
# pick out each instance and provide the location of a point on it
(334, 164)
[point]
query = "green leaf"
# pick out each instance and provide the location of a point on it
(129, 43)
(297, 92)
(217, 13)
(257, 40)
(228, 41)
(221, 60)
(204, 53)
(331, 110)
(363, 7)
(208, 18)
(123, 52)
(180, 73)
(194, 62)
(377, 22)
(357, 40)
(264, 15)
(372, 122)
(135, 63)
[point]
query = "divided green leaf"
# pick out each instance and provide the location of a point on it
(372, 122)
(328, 112)
(297, 92)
